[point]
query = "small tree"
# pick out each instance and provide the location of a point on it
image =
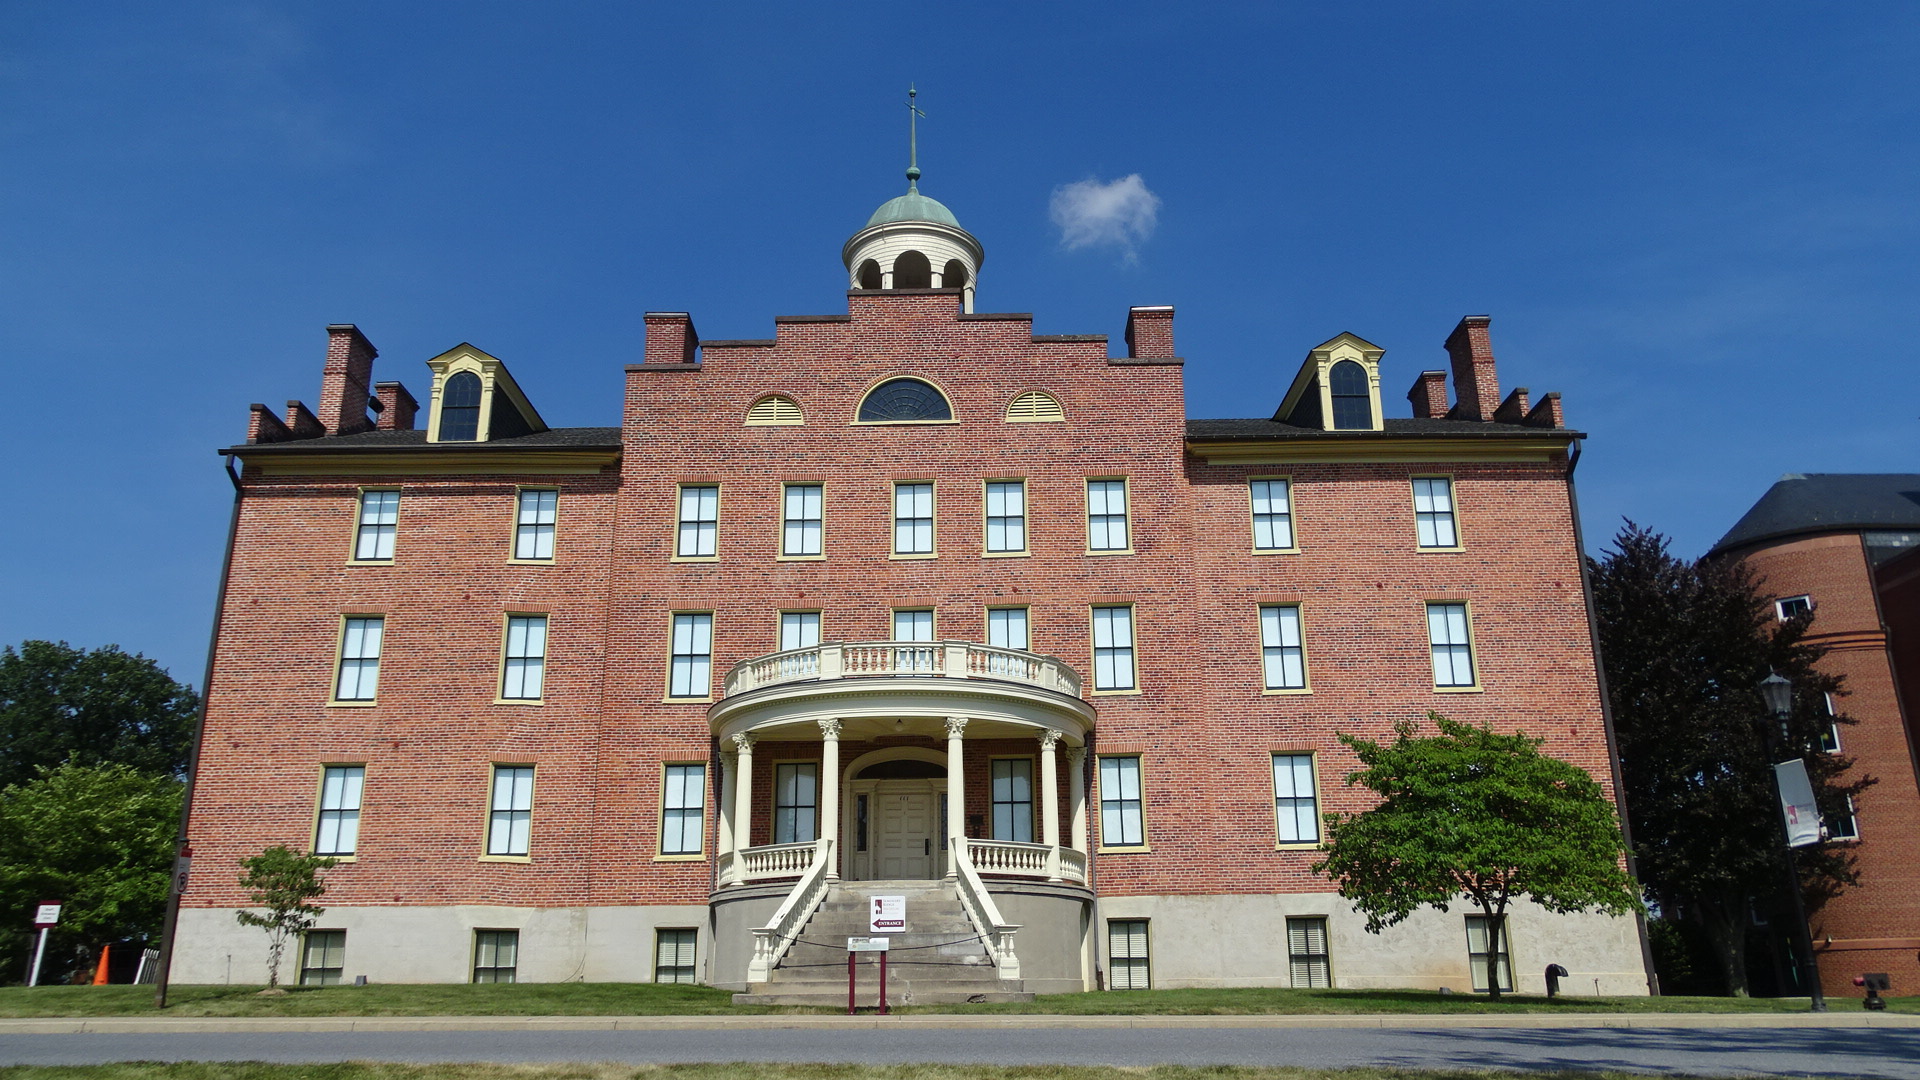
(282, 881)
(1475, 813)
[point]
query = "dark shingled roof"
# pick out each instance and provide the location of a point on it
(1220, 430)
(1828, 502)
(577, 438)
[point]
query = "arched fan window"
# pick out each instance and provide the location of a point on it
(774, 409)
(904, 401)
(1352, 400)
(1034, 407)
(460, 408)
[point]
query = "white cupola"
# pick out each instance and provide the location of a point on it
(913, 242)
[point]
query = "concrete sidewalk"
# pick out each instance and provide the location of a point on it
(162, 1025)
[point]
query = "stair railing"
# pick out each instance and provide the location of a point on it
(985, 916)
(771, 942)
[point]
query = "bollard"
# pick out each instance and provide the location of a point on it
(1875, 982)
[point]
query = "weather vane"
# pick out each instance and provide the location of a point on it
(913, 139)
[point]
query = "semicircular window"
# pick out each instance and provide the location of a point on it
(460, 408)
(904, 401)
(1352, 401)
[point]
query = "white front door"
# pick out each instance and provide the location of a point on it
(905, 840)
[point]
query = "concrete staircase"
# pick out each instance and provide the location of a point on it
(941, 961)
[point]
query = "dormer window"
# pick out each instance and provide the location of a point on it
(476, 400)
(1337, 387)
(1352, 402)
(905, 401)
(460, 408)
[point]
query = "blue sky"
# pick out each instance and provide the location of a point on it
(1697, 222)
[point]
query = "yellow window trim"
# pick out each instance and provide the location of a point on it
(713, 630)
(1093, 663)
(893, 522)
(1040, 407)
(1453, 500)
(486, 812)
(500, 680)
(513, 529)
(660, 822)
(1273, 789)
(1306, 655)
(1086, 508)
(766, 411)
(353, 534)
(1026, 520)
(320, 794)
(1293, 513)
(719, 514)
(780, 536)
(334, 701)
(1473, 645)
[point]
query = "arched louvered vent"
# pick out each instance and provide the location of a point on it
(774, 409)
(1034, 408)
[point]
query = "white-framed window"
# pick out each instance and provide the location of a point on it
(1843, 825)
(1307, 959)
(699, 531)
(1296, 801)
(914, 624)
(510, 811)
(1127, 955)
(673, 955)
(337, 829)
(1450, 638)
(1006, 516)
(683, 800)
(1282, 655)
(796, 802)
(1107, 516)
(496, 955)
(913, 518)
(1013, 799)
(523, 665)
(802, 520)
(1480, 960)
(1122, 816)
(1007, 628)
(799, 630)
(359, 675)
(533, 524)
(1830, 733)
(691, 665)
(1792, 607)
(323, 956)
(1113, 648)
(1433, 512)
(1272, 502)
(379, 518)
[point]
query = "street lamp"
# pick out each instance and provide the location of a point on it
(1777, 692)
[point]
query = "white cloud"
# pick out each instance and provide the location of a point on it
(1119, 213)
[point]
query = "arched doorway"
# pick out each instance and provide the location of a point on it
(895, 815)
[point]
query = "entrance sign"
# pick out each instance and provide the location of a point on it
(45, 918)
(886, 914)
(1797, 807)
(868, 944)
(48, 914)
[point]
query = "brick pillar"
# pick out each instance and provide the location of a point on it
(397, 407)
(1150, 332)
(670, 338)
(1476, 386)
(1429, 395)
(348, 380)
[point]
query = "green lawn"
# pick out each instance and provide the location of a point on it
(647, 999)
(254, 1070)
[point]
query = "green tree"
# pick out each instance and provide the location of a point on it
(282, 881)
(100, 839)
(1474, 813)
(59, 703)
(1684, 646)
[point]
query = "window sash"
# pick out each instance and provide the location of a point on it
(799, 630)
(510, 815)
(692, 658)
(496, 955)
(913, 626)
(796, 802)
(1272, 502)
(359, 678)
(523, 669)
(674, 956)
(1451, 641)
(801, 520)
(1282, 655)
(1127, 955)
(1844, 825)
(1478, 957)
(533, 529)
(323, 956)
(1296, 802)
(1121, 821)
(338, 829)
(682, 809)
(379, 517)
(1113, 648)
(912, 519)
(1433, 512)
(1013, 799)
(699, 521)
(1107, 515)
(1307, 955)
(1007, 516)
(1007, 628)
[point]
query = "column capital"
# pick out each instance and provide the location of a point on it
(956, 727)
(742, 744)
(830, 729)
(1076, 755)
(1049, 739)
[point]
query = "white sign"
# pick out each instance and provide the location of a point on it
(47, 915)
(1797, 807)
(867, 944)
(886, 914)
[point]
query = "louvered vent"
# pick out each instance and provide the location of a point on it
(775, 409)
(1034, 408)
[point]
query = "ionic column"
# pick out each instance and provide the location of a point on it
(725, 839)
(956, 794)
(1050, 803)
(830, 794)
(1077, 789)
(742, 804)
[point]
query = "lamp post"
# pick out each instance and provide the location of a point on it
(1777, 692)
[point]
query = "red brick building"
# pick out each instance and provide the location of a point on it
(1846, 548)
(672, 700)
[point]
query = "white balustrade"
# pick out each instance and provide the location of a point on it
(771, 942)
(778, 860)
(946, 659)
(1009, 858)
(985, 915)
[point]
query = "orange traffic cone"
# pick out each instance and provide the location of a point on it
(100, 973)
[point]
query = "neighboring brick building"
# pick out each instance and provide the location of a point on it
(595, 702)
(1846, 547)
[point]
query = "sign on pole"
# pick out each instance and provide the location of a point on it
(887, 915)
(867, 944)
(1797, 807)
(47, 915)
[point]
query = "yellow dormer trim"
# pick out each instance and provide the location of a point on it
(1315, 377)
(494, 378)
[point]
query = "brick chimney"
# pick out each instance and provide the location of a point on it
(670, 338)
(1546, 413)
(348, 381)
(396, 409)
(1514, 409)
(1150, 332)
(264, 427)
(1429, 395)
(1476, 387)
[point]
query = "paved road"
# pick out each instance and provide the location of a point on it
(1868, 1052)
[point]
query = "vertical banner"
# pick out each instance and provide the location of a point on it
(1797, 807)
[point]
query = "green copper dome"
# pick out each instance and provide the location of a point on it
(912, 206)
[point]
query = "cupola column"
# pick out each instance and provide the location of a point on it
(1050, 802)
(830, 794)
(956, 793)
(742, 802)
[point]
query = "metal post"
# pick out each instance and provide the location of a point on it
(851, 955)
(39, 954)
(1809, 964)
(883, 984)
